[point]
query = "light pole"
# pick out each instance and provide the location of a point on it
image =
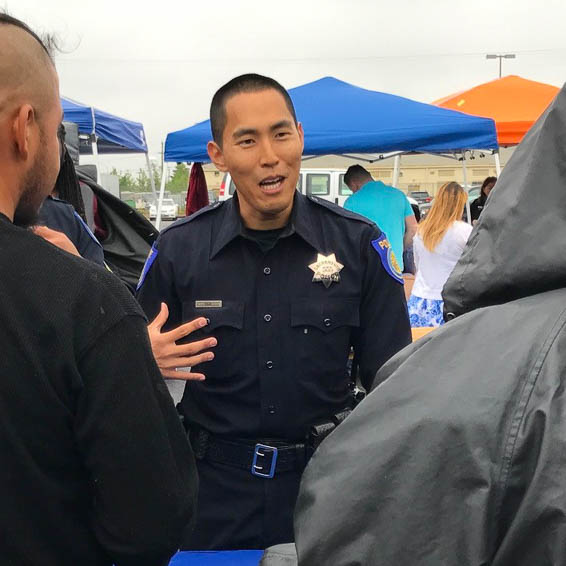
(506, 56)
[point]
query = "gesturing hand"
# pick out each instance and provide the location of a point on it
(172, 358)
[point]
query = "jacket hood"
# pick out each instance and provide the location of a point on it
(517, 248)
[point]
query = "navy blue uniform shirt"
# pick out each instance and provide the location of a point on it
(283, 340)
(61, 216)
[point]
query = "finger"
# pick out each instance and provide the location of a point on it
(186, 361)
(187, 328)
(182, 375)
(161, 318)
(44, 231)
(194, 347)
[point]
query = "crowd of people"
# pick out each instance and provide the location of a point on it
(434, 245)
(256, 305)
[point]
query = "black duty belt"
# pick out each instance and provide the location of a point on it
(263, 459)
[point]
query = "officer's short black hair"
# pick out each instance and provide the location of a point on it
(356, 173)
(6, 19)
(250, 82)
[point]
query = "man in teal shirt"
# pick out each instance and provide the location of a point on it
(386, 206)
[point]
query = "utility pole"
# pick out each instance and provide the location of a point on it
(500, 57)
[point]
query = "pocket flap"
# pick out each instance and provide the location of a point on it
(325, 316)
(231, 313)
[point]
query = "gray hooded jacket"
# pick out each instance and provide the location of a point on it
(458, 457)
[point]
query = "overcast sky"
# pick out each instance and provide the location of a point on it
(160, 62)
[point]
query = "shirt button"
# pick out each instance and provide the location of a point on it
(327, 322)
(267, 318)
(267, 270)
(269, 364)
(271, 410)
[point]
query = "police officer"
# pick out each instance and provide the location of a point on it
(288, 284)
(61, 216)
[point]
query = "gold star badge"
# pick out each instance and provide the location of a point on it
(326, 269)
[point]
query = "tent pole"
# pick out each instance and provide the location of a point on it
(95, 146)
(161, 194)
(96, 159)
(497, 164)
(465, 173)
(151, 179)
(396, 166)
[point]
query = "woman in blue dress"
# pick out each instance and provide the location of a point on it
(437, 246)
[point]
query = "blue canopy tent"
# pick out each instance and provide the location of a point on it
(104, 133)
(340, 118)
(343, 119)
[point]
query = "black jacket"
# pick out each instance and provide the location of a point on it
(477, 206)
(457, 458)
(95, 467)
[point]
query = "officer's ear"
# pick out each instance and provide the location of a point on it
(301, 135)
(216, 156)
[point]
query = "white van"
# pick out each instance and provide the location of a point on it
(324, 183)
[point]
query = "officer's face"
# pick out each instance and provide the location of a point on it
(261, 148)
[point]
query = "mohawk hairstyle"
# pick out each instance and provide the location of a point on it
(6, 19)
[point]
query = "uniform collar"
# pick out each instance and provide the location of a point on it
(231, 226)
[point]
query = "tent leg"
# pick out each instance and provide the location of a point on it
(497, 164)
(396, 167)
(151, 179)
(465, 174)
(161, 194)
(96, 159)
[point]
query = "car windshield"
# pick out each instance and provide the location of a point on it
(168, 201)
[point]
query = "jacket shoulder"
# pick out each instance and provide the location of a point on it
(205, 213)
(338, 210)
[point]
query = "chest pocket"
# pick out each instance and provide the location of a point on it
(322, 336)
(326, 316)
(226, 324)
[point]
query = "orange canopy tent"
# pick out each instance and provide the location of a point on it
(514, 103)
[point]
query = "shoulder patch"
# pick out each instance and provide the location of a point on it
(147, 266)
(388, 259)
(183, 221)
(338, 210)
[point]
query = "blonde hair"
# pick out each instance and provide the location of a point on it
(448, 206)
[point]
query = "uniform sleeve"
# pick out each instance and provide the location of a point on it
(88, 246)
(156, 285)
(142, 470)
(384, 322)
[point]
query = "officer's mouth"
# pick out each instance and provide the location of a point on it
(272, 184)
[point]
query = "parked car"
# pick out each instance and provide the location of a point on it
(422, 197)
(169, 210)
(416, 208)
(424, 200)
